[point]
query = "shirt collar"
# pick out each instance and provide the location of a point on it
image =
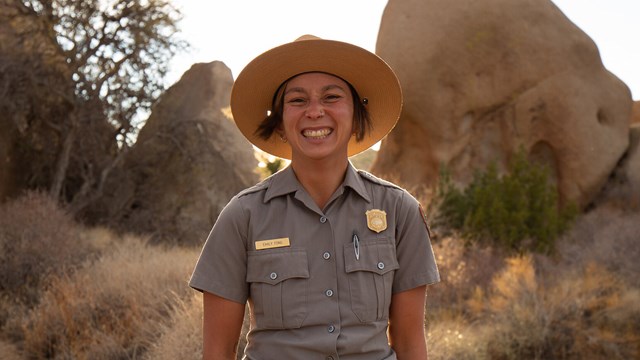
(285, 182)
(354, 181)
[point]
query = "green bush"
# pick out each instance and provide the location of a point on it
(517, 211)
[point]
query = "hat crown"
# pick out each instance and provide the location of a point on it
(307, 37)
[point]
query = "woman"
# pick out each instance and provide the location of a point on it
(330, 259)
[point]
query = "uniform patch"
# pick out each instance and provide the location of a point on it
(272, 243)
(376, 220)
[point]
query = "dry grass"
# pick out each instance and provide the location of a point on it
(38, 239)
(582, 303)
(130, 300)
(607, 237)
(455, 339)
(112, 308)
(182, 336)
(463, 269)
(9, 351)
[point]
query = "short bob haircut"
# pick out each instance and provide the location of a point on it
(361, 119)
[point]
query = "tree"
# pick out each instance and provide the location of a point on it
(114, 54)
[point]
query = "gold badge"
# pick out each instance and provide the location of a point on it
(272, 243)
(376, 220)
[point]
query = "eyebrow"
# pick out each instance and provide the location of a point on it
(325, 88)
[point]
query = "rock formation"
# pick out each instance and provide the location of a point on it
(622, 189)
(188, 161)
(635, 113)
(483, 78)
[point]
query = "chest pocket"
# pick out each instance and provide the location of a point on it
(278, 287)
(371, 277)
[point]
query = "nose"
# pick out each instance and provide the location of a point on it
(314, 110)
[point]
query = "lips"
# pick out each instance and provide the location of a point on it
(316, 133)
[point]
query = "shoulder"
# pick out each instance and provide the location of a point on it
(367, 176)
(261, 186)
(390, 189)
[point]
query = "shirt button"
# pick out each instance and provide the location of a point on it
(323, 219)
(273, 276)
(329, 293)
(331, 328)
(326, 256)
(381, 265)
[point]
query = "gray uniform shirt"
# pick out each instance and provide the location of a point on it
(318, 281)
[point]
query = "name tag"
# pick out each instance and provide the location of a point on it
(272, 243)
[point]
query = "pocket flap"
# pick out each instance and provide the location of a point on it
(274, 267)
(377, 255)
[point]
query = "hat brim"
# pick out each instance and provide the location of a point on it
(373, 79)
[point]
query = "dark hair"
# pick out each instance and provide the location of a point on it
(361, 118)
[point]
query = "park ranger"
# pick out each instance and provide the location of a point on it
(332, 261)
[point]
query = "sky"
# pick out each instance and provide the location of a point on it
(236, 31)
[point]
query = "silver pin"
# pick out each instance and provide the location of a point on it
(356, 246)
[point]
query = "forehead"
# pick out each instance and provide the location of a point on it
(319, 79)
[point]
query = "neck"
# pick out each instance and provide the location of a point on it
(320, 178)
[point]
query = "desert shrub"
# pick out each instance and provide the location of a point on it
(38, 239)
(582, 313)
(181, 337)
(111, 308)
(607, 237)
(516, 324)
(517, 211)
(455, 339)
(463, 269)
(9, 351)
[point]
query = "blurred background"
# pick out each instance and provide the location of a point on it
(519, 135)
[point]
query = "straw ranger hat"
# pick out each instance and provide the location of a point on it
(373, 79)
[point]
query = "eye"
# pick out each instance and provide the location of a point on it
(332, 97)
(296, 101)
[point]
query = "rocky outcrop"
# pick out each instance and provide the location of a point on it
(188, 161)
(622, 189)
(484, 78)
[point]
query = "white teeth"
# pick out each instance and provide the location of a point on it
(316, 133)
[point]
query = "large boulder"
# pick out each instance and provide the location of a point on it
(622, 189)
(188, 161)
(635, 113)
(483, 78)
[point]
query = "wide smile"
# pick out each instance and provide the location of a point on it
(317, 133)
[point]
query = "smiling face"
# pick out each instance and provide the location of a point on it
(317, 118)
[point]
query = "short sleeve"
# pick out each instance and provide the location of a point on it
(413, 248)
(222, 266)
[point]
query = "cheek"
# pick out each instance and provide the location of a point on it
(288, 123)
(290, 113)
